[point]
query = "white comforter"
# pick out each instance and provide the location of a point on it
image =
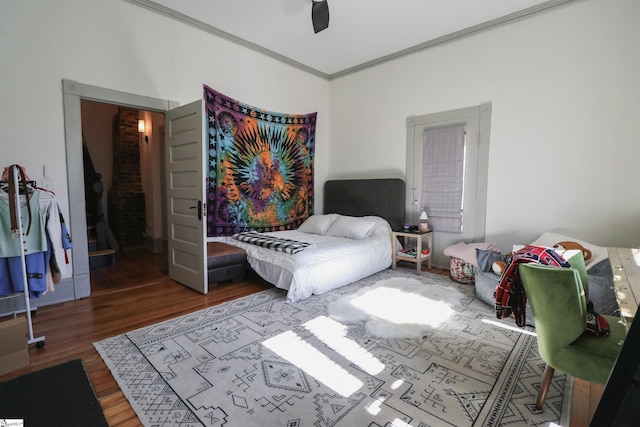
(329, 263)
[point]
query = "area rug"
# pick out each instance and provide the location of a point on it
(260, 360)
(58, 396)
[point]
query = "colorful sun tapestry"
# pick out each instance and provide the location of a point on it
(260, 167)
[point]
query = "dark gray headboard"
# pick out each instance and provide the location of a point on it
(360, 197)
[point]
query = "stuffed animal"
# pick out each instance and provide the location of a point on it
(574, 245)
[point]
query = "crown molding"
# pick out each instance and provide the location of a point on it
(180, 17)
(457, 35)
(466, 32)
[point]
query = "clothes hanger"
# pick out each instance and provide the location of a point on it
(24, 187)
(29, 186)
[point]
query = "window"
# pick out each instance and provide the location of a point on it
(443, 156)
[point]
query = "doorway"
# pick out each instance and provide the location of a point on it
(122, 158)
(131, 271)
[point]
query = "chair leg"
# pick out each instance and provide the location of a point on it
(547, 376)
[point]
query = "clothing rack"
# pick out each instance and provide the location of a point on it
(39, 341)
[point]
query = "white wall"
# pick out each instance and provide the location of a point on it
(565, 91)
(563, 85)
(116, 45)
(97, 131)
(151, 170)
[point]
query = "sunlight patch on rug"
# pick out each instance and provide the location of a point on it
(511, 328)
(334, 335)
(399, 307)
(291, 347)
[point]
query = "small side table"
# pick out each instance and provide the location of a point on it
(407, 235)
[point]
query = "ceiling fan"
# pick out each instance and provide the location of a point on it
(319, 15)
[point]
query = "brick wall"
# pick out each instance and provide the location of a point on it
(126, 197)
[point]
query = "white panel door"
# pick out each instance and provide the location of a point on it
(477, 121)
(185, 169)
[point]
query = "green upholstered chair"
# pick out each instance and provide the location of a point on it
(558, 303)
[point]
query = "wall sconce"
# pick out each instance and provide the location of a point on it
(141, 128)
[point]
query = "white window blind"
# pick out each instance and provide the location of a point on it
(443, 177)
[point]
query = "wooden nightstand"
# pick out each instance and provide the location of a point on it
(418, 248)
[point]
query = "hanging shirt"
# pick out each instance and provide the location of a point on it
(35, 241)
(40, 264)
(12, 274)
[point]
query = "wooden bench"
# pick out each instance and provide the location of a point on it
(225, 262)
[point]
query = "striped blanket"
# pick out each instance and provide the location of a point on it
(271, 242)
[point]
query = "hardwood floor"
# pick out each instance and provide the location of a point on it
(138, 293)
(134, 267)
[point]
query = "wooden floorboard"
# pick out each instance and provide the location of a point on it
(137, 293)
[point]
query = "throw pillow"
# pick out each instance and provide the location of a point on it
(487, 258)
(350, 227)
(317, 224)
(599, 253)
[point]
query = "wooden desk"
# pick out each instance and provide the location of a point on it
(625, 264)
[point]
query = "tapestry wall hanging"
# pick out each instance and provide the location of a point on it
(260, 167)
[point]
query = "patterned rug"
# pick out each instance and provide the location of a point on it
(260, 360)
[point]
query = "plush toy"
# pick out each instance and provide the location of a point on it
(574, 245)
(499, 267)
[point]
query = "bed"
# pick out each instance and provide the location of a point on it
(350, 241)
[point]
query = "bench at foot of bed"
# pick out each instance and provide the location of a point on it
(225, 262)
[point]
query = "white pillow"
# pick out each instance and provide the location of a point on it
(350, 227)
(317, 224)
(598, 253)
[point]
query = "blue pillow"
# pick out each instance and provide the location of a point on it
(487, 258)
